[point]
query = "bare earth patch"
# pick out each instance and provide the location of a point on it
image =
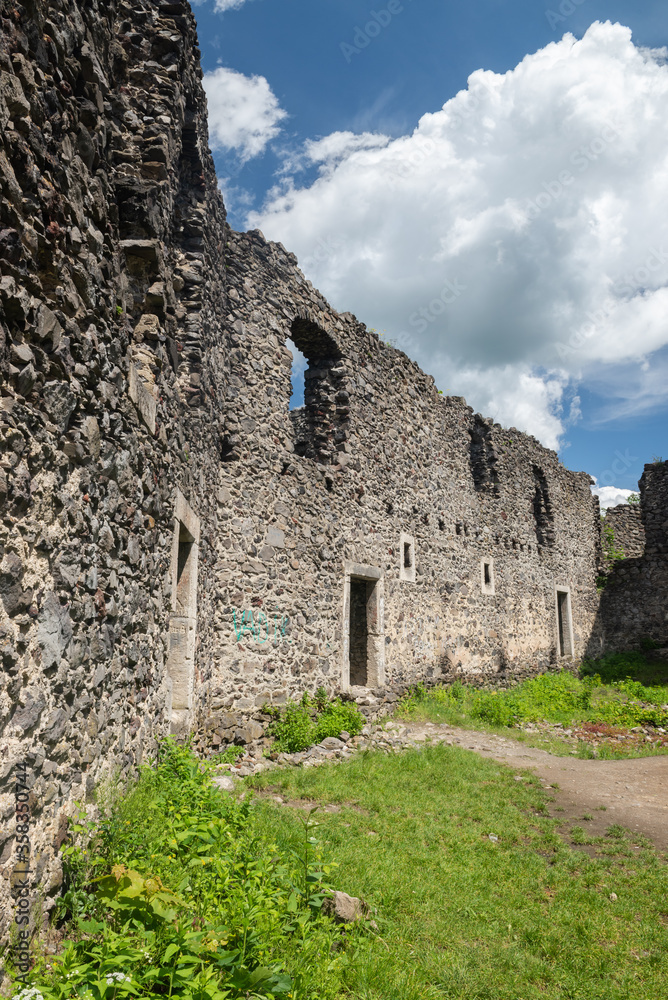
(633, 792)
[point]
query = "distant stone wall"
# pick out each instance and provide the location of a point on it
(377, 455)
(628, 528)
(634, 603)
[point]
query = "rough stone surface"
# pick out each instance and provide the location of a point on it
(634, 602)
(345, 909)
(110, 215)
(177, 548)
(629, 531)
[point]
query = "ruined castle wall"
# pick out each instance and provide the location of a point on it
(633, 603)
(313, 502)
(628, 529)
(173, 539)
(111, 240)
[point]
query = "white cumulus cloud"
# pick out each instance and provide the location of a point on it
(611, 496)
(513, 244)
(222, 5)
(244, 113)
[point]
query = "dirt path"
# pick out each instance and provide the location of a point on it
(634, 793)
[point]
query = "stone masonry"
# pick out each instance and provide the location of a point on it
(178, 547)
(634, 605)
(628, 529)
(112, 348)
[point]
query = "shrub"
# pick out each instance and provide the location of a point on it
(228, 755)
(620, 689)
(297, 728)
(615, 666)
(493, 707)
(294, 730)
(184, 899)
(338, 717)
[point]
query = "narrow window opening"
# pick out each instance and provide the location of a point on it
(406, 558)
(564, 623)
(359, 632)
(482, 456)
(543, 513)
(183, 619)
(184, 570)
(297, 375)
(487, 576)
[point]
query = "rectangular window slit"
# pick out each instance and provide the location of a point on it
(564, 623)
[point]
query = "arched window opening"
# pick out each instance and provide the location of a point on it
(543, 512)
(297, 379)
(321, 423)
(482, 457)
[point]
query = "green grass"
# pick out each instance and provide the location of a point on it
(619, 692)
(461, 916)
(179, 894)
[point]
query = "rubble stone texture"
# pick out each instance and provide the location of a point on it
(628, 529)
(634, 603)
(177, 547)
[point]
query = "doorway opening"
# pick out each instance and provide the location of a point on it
(183, 619)
(364, 640)
(359, 632)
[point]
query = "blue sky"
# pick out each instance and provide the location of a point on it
(507, 240)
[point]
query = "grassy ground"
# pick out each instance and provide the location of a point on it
(179, 894)
(617, 707)
(462, 915)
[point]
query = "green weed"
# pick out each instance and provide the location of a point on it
(229, 755)
(609, 691)
(177, 894)
(299, 726)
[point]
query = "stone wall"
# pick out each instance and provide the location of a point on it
(111, 425)
(628, 529)
(377, 455)
(634, 605)
(176, 546)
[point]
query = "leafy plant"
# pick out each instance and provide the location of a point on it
(300, 726)
(229, 755)
(321, 698)
(175, 894)
(619, 690)
(338, 717)
(611, 550)
(294, 730)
